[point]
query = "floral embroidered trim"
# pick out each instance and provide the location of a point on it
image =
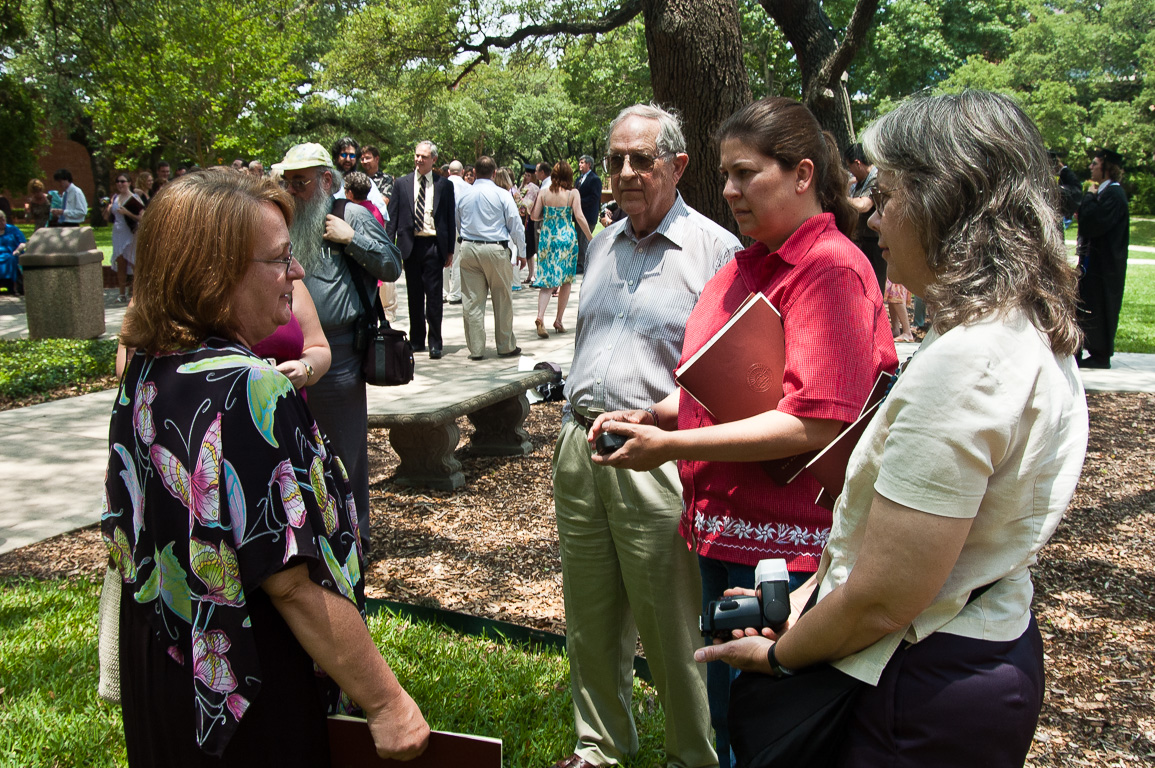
(774, 533)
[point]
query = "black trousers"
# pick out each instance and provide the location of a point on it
(951, 702)
(423, 286)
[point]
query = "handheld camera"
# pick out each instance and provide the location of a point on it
(607, 443)
(770, 609)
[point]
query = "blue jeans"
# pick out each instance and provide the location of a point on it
(717, 577)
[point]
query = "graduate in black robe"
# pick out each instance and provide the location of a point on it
(1104, 234)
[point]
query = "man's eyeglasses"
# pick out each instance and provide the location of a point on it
(348, 155)
(640, 163)
(297, 185)
(286, 260)
(880, 199)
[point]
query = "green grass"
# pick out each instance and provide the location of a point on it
(1143, 232)
(35, 366)
(103, 237)
(1137, 319)
(50, 714)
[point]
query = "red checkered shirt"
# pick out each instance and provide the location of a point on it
(838, 340)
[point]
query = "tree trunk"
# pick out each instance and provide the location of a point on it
(696, 67)
(822, 60)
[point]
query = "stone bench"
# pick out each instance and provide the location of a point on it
(422, 423)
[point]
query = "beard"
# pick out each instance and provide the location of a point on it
(307, 233)
(308, 229)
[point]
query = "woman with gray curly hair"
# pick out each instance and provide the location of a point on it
(924, 588)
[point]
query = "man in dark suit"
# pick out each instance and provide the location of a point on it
(1104, 236)
(589, 188)
(422, 223)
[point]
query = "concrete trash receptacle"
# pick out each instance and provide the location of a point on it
(63, 284)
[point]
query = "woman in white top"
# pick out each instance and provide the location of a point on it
(969, 464)
(124, 206)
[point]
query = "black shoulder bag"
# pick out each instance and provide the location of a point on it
(388, 355)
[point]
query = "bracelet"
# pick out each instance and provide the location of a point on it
(653, 415)
(308, 369)
(776, 669)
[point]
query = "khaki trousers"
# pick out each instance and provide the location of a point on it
(626, 571)
(485, 269)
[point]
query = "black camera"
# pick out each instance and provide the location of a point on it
(607, 442)
(771, 608)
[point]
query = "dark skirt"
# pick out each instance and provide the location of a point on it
(284, 726)
(951, 701)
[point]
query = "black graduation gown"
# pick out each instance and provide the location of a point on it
(1104, 235)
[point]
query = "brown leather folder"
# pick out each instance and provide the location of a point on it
(738, 372)
(351, 746)
(828, 466)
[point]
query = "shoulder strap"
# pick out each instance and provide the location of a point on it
(369, 306)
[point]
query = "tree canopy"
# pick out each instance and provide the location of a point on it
(526, 80)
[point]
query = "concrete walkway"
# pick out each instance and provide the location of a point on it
(54, 454)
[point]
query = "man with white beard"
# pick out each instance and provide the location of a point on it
(325, 245)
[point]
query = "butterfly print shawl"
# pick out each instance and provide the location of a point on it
(218, 478)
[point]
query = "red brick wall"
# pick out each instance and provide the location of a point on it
(61, 153)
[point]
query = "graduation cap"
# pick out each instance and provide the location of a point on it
(1110, 156)
(529, 167)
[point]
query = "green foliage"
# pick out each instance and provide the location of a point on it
(35, 366)
(201, 81)
(1141, 199)
(226, 89)
(601, 74)
(1137, 319)
(770, 62)
(915, 44)
(50, 714)
(1079, 68)
(20, 134)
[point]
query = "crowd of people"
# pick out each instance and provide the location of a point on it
(252, 512)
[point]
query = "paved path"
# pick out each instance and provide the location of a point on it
(54, 454)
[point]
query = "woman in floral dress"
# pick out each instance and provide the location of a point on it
(226, 512)
(557, 208)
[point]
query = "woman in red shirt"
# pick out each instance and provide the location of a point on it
(787, 190)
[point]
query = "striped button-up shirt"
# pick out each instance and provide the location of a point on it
(635, 299)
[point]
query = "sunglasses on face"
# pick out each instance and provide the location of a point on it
(348, 155)
(639, 162)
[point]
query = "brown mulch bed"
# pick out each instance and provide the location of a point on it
(71, 390)
(490, 549)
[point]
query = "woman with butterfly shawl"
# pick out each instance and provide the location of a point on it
(226, 513)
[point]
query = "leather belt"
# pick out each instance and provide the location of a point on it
(584, 422)
(502, 243)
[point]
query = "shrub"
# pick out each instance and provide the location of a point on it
(29, 367)
(1141, 201)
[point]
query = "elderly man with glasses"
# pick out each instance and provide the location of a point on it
(625, 569)
(344, 257)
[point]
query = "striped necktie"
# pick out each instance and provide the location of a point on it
(419, 219)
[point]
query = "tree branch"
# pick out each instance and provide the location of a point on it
(856, 30)
(626, 11)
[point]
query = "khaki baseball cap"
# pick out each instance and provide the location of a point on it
(304, 156)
